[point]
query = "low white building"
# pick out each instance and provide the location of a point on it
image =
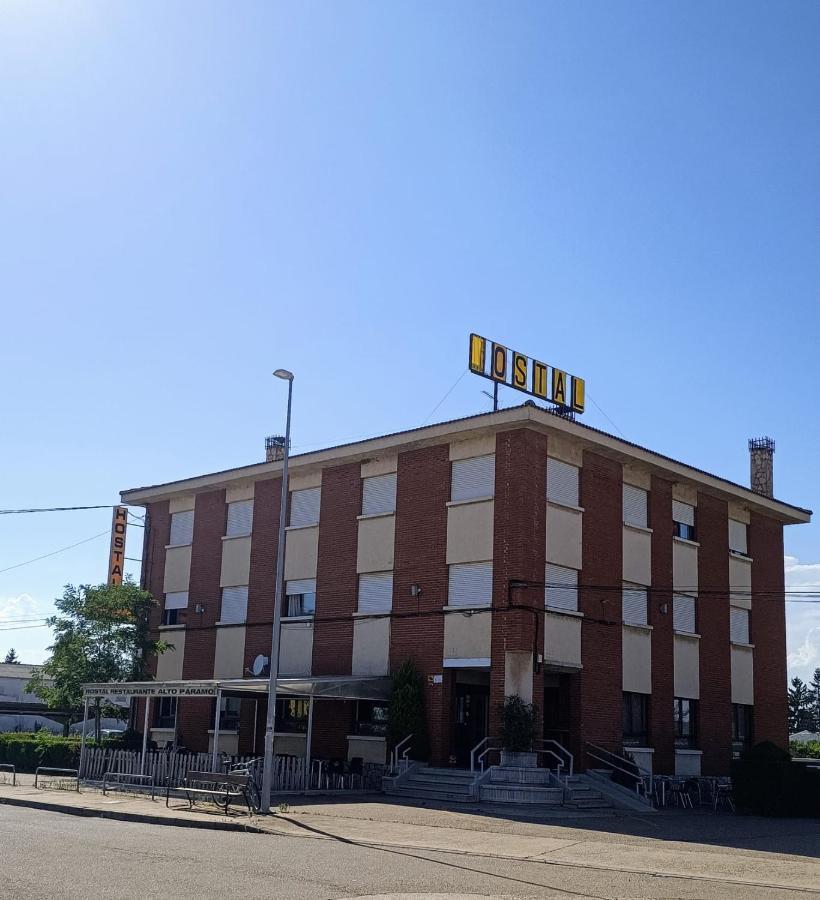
(20, 711)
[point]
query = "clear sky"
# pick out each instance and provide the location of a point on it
(192, 194)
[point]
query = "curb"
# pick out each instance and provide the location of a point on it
(122, 816)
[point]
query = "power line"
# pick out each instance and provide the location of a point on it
(601, 411)
(454, 386)
(17, 512)
(54, 552)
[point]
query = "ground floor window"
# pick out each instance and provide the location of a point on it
(742, 724)
(636, 719)
(292, 714)
(166, 712)
(371, 718)
(686, 722)
(229, 710)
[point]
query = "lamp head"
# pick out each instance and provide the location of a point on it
(284, 374)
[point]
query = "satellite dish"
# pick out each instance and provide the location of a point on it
(259, 665)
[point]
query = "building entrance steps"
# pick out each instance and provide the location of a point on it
(444, 785)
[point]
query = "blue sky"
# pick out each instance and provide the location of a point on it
(194, 194)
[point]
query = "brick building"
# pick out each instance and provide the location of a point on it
(637, 601)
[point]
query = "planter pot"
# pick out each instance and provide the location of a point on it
(519, 759)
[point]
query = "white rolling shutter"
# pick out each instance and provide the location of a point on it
(738, 625)
(234, 604)
(470, 584)
(300, 596)
(562, 482)
(683, 613)
(561, 590)
(634, 606)
(176, 600)
(240, 518)
(473, 478)
(379, 494)
(304, 506)
(182, 528)
(683, 513)
(375, 593)
(737, 537)
(635, 506)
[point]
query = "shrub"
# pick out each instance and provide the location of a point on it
(810, 749)
(26, 749)
(766, 781)
(405, 713)
(517, 724)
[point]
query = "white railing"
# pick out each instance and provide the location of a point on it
(569, 760)
(613, 761)
(398, 763)
(489, 744)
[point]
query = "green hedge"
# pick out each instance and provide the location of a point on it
(766, 782)
(805, 749)
(27, 750)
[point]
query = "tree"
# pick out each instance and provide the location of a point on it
(405, 713)
(800, 702)
(101, 634)
(814, 688)
(12, 658)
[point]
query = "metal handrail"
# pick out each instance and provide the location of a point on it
(491, 747)
(10, 767)
(395, 754)
(601, 754)
(567, 755)
(473, 751)
(50, 770)
(135, 780)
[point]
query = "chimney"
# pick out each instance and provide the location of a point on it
(274, 448)
(761, 453)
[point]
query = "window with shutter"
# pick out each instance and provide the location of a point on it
(683, 520)
(738, 625)
(562, 482)
(176, 600)
(635, 505)
(182, 528)
(473, 478)
(240, 518)
(634, 605)
(683, 613)
(379, 494)
(304, 506)
(470, 584)
(300, 598)
(234, 604)
(376, 592)
(561, 588)
(737, 537)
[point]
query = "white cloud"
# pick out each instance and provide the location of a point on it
(802, 618)
(23, 606)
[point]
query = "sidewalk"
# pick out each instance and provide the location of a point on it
(719, 849)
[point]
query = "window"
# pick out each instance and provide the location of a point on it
(738, 537)
(371, 718)
(683, 613)
(635, 605)
(174, 602)
(635, 506)
(738, 625)
(379, 494)
(229, 709)
(683, 520)
(376, 592)
(470, 584)
(561, 588)
(182, 528)
(304, 506)
(166, 712)
(562, 482)
(292, 714)
(234, 605)
(300, 598)
(473, 478)
(686, 722)
(742, 727)
(240, 518)
(636, 719)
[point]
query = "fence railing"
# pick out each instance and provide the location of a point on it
(8, 768)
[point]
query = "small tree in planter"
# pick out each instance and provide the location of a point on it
(405, 713)
(518, 732)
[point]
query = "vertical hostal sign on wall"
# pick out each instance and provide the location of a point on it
(116, 558)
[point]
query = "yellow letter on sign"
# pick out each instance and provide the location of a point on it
(559, 387)
(478, 349)
(519, 371)
(539, 379)
(498, 362)
(116, 559)
(578, 394)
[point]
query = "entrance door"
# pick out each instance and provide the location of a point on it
(472, 707)
(556, 707)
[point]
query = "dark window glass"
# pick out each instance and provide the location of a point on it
(681, 530)
(170, 617)
(686, 722)
(166, 708)
(229, 715)
(292, 714)
(299, 605)
(371, 718)
(635, 719)
(742, 727)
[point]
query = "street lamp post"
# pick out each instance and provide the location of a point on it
(267, 771)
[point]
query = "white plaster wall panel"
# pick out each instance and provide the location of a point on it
(301, 551)
(686, 493)
(182, 503)
(644, 758)
(177, 569)
(239, 492)
(518, 674)
(228, 742)
(562, 640)
(296, 648)
(229, 654)
(467, 637)
(637, 660)
(382, 466)
(567, 450)
(684, 567)
(687, 667)
(739, 512)
(371, 646)
(371, 750)
(470, 532)
(687, 764)
(301, 481)
(637, 552)
(290, 744)
(376, 542)
(564, 529)
(169, 664)
(743, 675)
(637, 476)
(236, 561)
(476, 446)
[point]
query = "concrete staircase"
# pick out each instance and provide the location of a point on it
(530, 787)
(427, 783)
(581, 794)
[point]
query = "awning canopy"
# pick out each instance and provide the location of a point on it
(341, 687)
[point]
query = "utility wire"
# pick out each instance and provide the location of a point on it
(601, 411)
(454, 386)
(55, 552)
(17, 512)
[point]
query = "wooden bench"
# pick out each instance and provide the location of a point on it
(222, 788)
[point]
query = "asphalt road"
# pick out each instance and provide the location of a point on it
(51, 855)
